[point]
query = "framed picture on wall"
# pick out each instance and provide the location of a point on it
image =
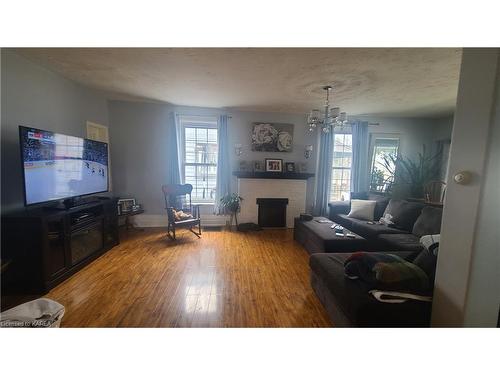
(125, 205)
(272, 137)
(258, 166)
(290, 167)
(274, 165)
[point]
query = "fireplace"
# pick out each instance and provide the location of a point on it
(272, 212)
(252, 188)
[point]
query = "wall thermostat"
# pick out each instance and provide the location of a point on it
(462, 178)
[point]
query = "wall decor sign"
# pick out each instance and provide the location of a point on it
(272, 137)
(274, 165)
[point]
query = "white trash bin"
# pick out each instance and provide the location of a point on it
(42, 312)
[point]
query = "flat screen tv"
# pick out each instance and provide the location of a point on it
(58, 166)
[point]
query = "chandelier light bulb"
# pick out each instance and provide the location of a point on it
(328, 118)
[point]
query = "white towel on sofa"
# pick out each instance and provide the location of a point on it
(431, 242)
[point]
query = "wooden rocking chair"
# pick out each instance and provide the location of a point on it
(175, 199)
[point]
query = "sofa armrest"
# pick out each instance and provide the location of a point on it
(338, 207)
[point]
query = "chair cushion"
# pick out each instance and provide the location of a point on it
(187, 222)
(181, 215)
(404, 213)
(400, 242)
(364, 229)
(360, 308)
(429, 221)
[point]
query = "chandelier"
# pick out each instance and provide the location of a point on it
(329, 119)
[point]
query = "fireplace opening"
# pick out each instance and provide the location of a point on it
(272, 212)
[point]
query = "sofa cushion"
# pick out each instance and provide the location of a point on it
(400, 242)
(429, 221)
(427, 261)
(343, 207)
(338, 207)
(382, 202)
(361, 227)
(352, 297)
(362, 209)
(359, 195)
(403, 213)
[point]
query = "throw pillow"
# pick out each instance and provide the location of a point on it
(361, 209)
(382, 202)
(403, 213)
(427, 262)
(429, 221)
(181, 215)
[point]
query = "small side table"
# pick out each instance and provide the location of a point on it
(127, 216)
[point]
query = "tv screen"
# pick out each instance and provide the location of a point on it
(58, 166)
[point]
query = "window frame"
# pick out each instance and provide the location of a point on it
(373, 141)
(345, 132)
(203, 122)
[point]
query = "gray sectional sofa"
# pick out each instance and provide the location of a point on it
(348, 302)
(413, 220)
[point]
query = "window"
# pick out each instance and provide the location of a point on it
(385, 150)
(341, 170)
(200, 141)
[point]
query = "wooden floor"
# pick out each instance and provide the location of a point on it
(224, 279)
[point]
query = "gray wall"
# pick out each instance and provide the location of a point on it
(442, 128)
(34, 96)
(467, 285)
(483, 299)
(413, 132)
(138, 133)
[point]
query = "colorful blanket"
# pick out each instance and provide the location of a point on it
(387, 272)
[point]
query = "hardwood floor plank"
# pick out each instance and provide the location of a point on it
(224, 279)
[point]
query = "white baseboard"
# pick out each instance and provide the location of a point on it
(155, 221)
(146, 221)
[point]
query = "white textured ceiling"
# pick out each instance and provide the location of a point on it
(379, 81)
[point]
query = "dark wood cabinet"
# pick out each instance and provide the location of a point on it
(45, 246)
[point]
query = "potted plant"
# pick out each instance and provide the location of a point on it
(231, 203)
(377, 180)
(415, 173)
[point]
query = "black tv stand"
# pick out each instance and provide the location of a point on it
(78, 201)
(72, 203)
(47, 245)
